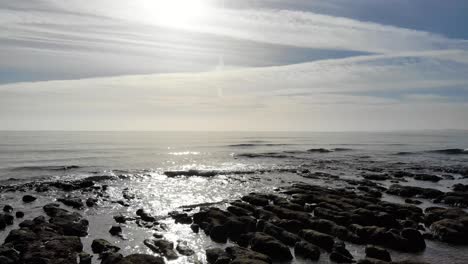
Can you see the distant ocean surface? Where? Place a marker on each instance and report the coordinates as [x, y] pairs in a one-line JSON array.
[[167, 171], [39, 154]]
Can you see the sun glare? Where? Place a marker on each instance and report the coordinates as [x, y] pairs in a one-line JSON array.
[[178, 13]]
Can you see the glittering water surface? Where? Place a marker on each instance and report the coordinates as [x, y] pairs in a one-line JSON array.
[[241, 163]]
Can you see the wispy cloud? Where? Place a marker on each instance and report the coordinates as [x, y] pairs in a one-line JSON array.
[[258, 68]]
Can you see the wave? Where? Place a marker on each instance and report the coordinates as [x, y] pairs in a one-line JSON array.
[[451, 151], [257, 145], [46, 168], [324, 150], [207, 173], [277, 155]]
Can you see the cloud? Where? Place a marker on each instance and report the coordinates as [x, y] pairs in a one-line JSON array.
[[253, 99]]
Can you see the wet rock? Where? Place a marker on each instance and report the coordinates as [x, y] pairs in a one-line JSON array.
[[219, 233], [427, 177], [371, 261], [340, 247], [145, 216], [110, 257], [163, 247], [239, 211], [340, 258], [29, 198], [270, 246], [256, 199], [184, 249], [101, 245], [195, 228], [415, 239], [7, 209], [74, 202], [115, 230], [412, 201], [85, 258], [376, 177], [91, 202], [181, 218], [378, 253], [44, 242], [19, 214], [411, 191], [69, 223], [451, 230], [5, 220], [212, 254], [141, 259], [317, 238], [120, 219], [9, 255], [459, 187], [306, 250], [284, 236], [240, 255]]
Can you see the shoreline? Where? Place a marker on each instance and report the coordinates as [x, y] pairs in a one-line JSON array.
[[269, 213]]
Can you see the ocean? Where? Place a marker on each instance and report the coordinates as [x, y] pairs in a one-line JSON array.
[[166, 171]]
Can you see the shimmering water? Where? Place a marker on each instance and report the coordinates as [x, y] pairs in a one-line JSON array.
[[242, 162]]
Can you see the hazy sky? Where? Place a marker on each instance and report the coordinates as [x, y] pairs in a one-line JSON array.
[[233, 65]]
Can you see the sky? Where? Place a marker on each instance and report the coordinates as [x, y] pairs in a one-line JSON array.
[[255, 65]]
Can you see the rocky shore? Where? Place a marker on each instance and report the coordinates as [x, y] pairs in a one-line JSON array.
[[298, 221]]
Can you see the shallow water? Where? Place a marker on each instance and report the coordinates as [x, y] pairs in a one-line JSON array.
[[141, 158]]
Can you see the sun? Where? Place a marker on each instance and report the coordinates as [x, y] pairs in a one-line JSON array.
[[178, 13]]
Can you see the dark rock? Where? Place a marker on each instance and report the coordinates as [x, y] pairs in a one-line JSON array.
[[459, 187], [110, 257], [184, 249], [29, 198], [411, 191], [141, 259], [240, 255], [270, 246], [340, 247], [91, 202], [427, 177], [120, 219], [378, 253], [212, 254], [195, 228], [239, 211], [70, 224], [317, 238], [219, 233], [100, 245], [415, 239], [284, 236], [412, 201], [340, 258], [371, 261], [376, 177], [451, 230], [181, 218], [256, 199], [115, 230], [145, 216], [85, 258], [6, 219], [9, 255], [7, 209], [19, 214], [163, 247], [306, 250], [74, 202]]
